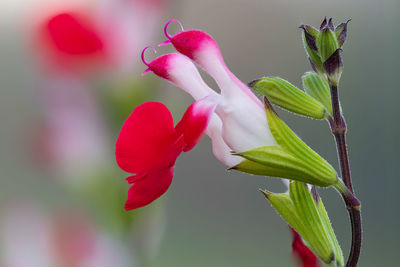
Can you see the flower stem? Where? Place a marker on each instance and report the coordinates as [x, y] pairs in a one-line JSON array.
[[338, 127]]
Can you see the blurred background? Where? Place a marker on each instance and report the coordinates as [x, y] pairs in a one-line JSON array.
[[70, 75]]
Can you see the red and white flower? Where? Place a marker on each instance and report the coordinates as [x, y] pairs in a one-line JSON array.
[[236, 120]]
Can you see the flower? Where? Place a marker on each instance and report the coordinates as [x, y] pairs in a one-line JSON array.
[[238, 108], [149, 144], [242, 122], [237, 122]]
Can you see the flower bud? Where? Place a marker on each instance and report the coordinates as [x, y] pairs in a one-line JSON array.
[[323, 48], [304, 211], [318, 88], [284, 94]]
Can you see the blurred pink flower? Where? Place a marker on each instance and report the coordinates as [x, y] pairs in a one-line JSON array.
[[31, 237], [73, 137]]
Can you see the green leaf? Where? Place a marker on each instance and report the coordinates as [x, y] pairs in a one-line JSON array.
[[318, 88], [282, 93]]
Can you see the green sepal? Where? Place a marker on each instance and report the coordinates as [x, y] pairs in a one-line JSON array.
[[308, 217], [255, 168], [284, 94], [311, 48], [328, 226], [327, 43], [318, 88], [282, 164], [321, 172], [341, 32], [284, 205], [317, 235]]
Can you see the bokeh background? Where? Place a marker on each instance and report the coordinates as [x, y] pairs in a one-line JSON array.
[[61, 194]]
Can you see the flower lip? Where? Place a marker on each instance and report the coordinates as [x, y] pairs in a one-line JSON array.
[[187, 42], [146, 140], [192, 41], [149, 144], [161, 65], [146, 190]]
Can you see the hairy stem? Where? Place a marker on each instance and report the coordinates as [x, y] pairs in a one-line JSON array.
[[338, 127]]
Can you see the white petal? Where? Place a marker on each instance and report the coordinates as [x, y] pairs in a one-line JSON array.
[[220, 149]]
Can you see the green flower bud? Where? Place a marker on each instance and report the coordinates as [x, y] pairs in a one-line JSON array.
[[291, 159], [305, 212], [289, 97], [327, 42], [318, 88], [324, 49]]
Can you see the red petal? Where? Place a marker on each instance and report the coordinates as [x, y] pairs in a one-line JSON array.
[[195, 121], [147, 139], [146, 190], [305, 256], [134, 178]]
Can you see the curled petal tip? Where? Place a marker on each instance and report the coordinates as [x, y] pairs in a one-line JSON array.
[[165, 43], [166, 27], [146, 71], [142, 56]]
